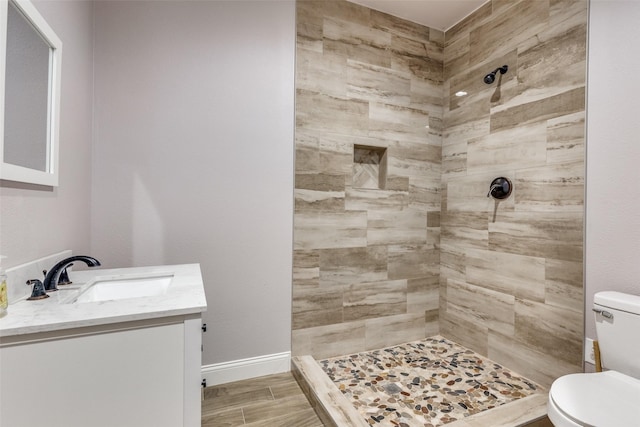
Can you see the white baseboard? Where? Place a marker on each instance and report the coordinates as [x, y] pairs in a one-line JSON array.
[[236, 370]]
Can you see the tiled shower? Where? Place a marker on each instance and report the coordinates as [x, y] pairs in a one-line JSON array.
[[394, 236]]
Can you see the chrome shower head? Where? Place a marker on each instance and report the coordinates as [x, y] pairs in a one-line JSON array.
[[491, 77]]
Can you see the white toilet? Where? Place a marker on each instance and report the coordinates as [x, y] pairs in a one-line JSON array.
[[610, 398]]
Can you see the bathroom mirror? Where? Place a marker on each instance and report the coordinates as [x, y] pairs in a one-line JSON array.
[[30, 65]]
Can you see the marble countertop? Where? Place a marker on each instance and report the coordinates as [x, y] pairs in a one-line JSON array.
[[185, 295]]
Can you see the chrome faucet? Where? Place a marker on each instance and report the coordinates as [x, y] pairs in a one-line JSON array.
[[52, 278]]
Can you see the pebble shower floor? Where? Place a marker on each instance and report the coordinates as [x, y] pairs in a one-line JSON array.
[[427, 383]]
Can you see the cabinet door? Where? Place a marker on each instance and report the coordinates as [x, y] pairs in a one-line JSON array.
[[121, 378]]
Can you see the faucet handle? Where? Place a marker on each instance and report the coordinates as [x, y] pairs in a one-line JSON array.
[[38, 291]]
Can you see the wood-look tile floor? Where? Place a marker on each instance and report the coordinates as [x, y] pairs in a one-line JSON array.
[[271, 401]]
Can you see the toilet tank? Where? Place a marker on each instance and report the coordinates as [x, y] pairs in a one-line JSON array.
[[618, 328]]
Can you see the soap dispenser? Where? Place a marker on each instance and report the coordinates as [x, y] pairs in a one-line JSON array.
[[4, 299]]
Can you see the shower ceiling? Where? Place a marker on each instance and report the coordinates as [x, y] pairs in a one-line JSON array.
[[437, 14]]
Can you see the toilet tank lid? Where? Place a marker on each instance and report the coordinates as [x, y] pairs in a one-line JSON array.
[[618, 300]]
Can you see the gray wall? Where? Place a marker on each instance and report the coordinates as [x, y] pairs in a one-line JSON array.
[[613, 153], [193, 156], [37, 221]]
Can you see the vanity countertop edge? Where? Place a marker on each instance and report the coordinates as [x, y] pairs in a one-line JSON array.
[[184, 296]]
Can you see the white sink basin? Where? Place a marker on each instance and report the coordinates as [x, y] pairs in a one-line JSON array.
[[117, 288]]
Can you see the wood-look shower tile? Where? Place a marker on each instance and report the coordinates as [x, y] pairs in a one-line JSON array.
[[426, 67], [565, 14], [377, 84], [463, 132], [319, 191], [363, 199], [391, 330], [306, 268], [453, 260], [331, 114], [555, 331], [511, 274], [390, 122], [478, 110], [319, 230], [423, 294], [370, 300], [336, 152], [555, 188], [558, 64], [462, 28], [403, 27], [528, 360], [522, 147], [470, 334], [312, 200], [565, 138], [454, 160], [346, 266], [507, 29], [412, 261], [357, 42], [470, 229], [393, 227], [316, 306], [486, 307], [307, 152], [555, 235], [322, 73], [568, 102], [426, 95], [397, 183], [564, 284], [329, 341], [457, 58]]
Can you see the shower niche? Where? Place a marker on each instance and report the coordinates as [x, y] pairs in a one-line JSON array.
[[369, 167]]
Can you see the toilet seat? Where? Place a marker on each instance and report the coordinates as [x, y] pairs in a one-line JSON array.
[[604, 399]]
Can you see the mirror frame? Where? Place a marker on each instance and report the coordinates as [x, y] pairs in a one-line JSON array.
[[8, 171]]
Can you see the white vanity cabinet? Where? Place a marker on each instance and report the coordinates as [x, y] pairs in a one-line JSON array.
[[143, 373], [132, 362]]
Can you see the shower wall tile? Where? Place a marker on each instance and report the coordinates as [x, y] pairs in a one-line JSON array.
[[350, 266], [377, 84], [331, 114], [565, 138], [564, 284], [556, 330], [321, 229], [511, 281], [527, 359], [507, 29], [510, 274], [365, 258], [379, 299], [412, 261], [306, 270], [328, 341], [392, 228], [401, 328], [547, 235], [565, 103], [515, 148], [553, 188], [482, 306], [423, 294], [313, 306]]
